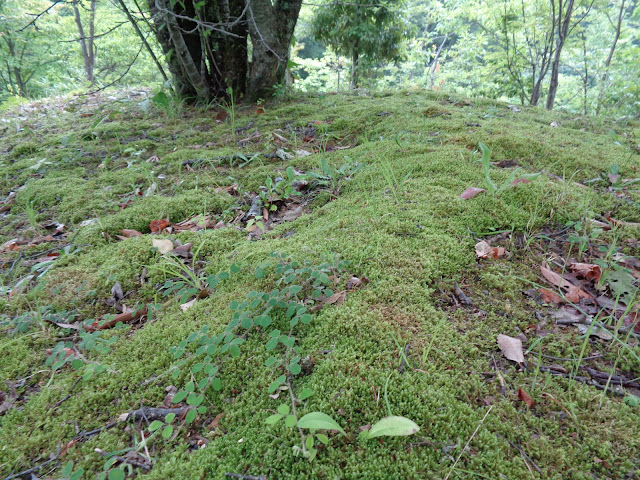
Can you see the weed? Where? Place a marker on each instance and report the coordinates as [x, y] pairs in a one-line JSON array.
[[230, 107], [491, 186], [333, 179]]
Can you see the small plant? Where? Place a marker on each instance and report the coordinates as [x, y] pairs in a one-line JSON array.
[[30, 210], [277, 190], [491, 186], [229, 106], [334, 179]]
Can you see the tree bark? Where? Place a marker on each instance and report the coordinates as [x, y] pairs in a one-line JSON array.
[[271, 29], [607, 63], [434, 63], [354, 68]]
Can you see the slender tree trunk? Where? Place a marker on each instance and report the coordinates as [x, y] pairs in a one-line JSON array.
[[354, 68], [183, 53], [434, 64], [585, 78], [607, 63], [563, 30], [86, 44], [143, 39]]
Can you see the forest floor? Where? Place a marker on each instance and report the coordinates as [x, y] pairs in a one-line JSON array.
[[181, 287]]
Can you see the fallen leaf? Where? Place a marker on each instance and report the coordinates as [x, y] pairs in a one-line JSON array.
[[526, 398], [484, 250], [613, 178], [596, 331], [586, 270], [572, 293], [124, 317], [214, 424], [338, 298], [520, 180], [163, 245], [128, 233], [550, 297], [511, 348], [259, 110], [553, 124], [159, 225], [471, 192], [355, 282], [292, 214], [170, 393], [186, 306], [221, 116]]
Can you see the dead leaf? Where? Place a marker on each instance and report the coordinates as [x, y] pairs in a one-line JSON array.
[[471, 192], [186, 306], [159, 225], [596, 331], [550, 297], [511, 348], [163, 245], [553, 124], [484, 250], [128, 233], [613, 178], [586, 270], [292, 214], [279, 139], [572, 293], [526, 398], [338, 298], [259, 110], [520, 180], [116, 292], [125, 317], [170, 393], [221, 116], [214, 424], [355, 282]]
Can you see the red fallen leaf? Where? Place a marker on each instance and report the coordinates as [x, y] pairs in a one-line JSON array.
[[85, 115], [587, 270], [550, 297], [471, 192], [127, 233], [520, 180], [526, 398], [66, 448], [259, 110], [221, 116], [159, 225], [355, 282], [214, 424], [124, 317]]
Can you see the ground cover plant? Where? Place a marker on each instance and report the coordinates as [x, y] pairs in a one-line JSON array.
[[406, 285]]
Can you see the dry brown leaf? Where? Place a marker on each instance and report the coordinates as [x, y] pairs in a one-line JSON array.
[[471, 192], [292, 214], [550, 297], [127, 233], [159, 225], [338, 298], [186, 306], [520, 180], [526, 398], [163, 245], [484, 250], [573, 294], [124, 317], [586, 270], [511, 348]]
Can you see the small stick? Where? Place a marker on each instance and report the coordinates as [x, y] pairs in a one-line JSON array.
[[468, 442], [31, 470], [96, 431], [524, 455], [150, 413], [461, 295], [68, 395]]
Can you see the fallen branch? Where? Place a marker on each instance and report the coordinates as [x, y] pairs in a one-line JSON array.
[[68, 395], [96, 431], [32, 469]]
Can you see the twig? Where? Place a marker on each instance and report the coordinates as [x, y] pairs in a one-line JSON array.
[[123, 459], [31, 470], [68, 395], [150, 413], [293, 409], [468, 442], [524, 455], [96, 431]]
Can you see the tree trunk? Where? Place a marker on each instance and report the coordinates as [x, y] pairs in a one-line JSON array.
[[86, 44], [354, 68], [563, 30], [607, 63], [271, 28], [434, 64]]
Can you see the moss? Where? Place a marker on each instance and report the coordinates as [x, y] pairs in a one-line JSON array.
[[399, 221]]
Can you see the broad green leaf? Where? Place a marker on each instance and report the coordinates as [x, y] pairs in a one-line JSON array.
[[116, 474], [167, 432], [309, 442], [68, 468], [180, 396], [191, 416], [273, 419], [155, 425], [305, 393], [323, 438], [276, 383], [169, 418], [283, 409], [319, 421], [393, 426], [290, 421]]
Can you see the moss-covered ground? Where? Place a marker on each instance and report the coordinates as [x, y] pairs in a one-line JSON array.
[[404, 341]]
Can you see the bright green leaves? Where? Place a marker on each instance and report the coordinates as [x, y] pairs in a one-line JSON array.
[[319, 421], [273, 386], [392, 426]]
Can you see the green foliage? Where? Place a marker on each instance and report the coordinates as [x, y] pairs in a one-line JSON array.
[[333, 179], [392, 426], [365, 32], [510, 182]]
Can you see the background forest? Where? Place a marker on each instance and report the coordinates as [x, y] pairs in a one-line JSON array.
[[503, 49]]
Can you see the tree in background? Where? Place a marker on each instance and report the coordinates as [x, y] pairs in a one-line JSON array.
[[362, 30], [206, 44]]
